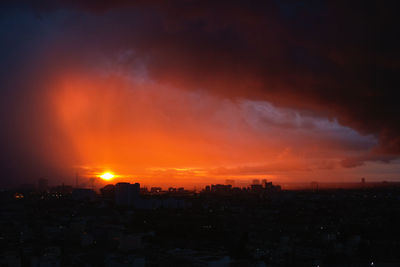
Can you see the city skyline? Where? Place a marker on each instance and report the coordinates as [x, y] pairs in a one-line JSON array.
[[199, 133], [220, 225]]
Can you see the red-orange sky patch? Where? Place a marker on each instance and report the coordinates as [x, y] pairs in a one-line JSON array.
[[161, 135]]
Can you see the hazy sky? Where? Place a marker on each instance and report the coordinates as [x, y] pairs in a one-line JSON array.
[[196, 92]]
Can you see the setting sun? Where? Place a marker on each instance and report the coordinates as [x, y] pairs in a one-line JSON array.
[[107, 176]]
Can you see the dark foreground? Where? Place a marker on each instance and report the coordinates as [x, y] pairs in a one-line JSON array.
[[289, 228]]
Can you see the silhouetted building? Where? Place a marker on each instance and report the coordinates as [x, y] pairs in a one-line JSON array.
[[155, 190], [126, 194], [257, 188], [172, 190], [83, 194], [108, 191], [221, 188], [264, 182], [268, 185], [256, 181], [62, 189], [144, 190], [43, 185], [181, 189]]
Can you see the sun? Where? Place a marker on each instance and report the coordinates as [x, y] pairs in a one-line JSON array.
[[107, 176]]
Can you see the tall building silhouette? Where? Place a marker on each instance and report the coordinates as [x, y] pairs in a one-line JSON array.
[[126, 194], [264, 182]]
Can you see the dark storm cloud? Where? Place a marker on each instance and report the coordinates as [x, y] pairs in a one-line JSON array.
[[334, 57]]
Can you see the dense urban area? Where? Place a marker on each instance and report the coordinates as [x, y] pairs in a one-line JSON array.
[[222, 225]]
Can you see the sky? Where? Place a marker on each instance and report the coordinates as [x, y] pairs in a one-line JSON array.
[[188, 93]]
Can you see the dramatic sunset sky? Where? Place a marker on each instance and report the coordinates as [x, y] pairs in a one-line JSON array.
[[194, 92]]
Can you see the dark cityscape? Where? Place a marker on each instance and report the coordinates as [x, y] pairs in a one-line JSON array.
[[221, 225], [205, 133]]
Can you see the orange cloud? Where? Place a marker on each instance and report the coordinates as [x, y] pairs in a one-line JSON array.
[[161, 135]]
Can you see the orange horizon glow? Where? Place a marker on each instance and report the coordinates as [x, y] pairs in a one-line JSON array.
[[158, 135]]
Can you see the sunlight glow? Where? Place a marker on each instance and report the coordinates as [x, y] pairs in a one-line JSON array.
[[107, 176]]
